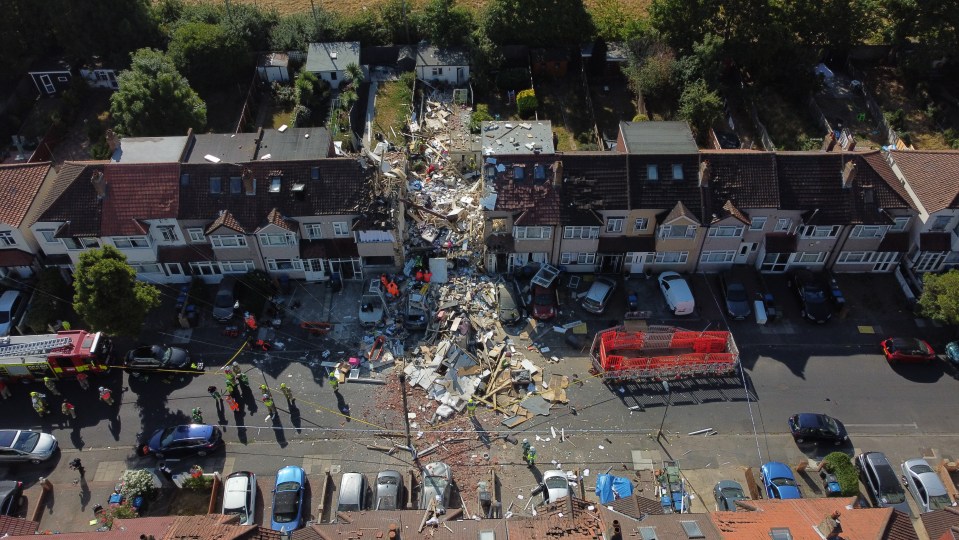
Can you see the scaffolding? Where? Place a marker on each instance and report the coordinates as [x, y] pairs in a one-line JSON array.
[[663, 353]]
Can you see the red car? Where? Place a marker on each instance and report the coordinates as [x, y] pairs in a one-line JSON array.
[[544, 302], [907, 350]]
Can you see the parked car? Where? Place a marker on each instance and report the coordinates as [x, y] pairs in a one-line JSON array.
[[11, 493], [556, 485], [389, 491], [352, 493], [817, 427], [288, 499], [507, 307], [160, 358], [598, 295], [12, 306], [925, 486], [881, 481], [199, 439], [372, 304], [437, 483], [239, 496], [544, 302], [812, 296], [25, 445], [679, 297], [952, 354], [225, 304], [726, 493], [418, 312], [779, 482], [736, 298], [911, 350]]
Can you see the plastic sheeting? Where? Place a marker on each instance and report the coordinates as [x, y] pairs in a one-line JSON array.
[[610, 488]]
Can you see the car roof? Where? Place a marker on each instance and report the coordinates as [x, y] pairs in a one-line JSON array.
[[778, 469], [811, 419], [553, 473], [193, 431], [6, 299], [290, 473], [7, 436]]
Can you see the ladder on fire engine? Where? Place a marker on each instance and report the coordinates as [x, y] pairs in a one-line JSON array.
[[23, 349]]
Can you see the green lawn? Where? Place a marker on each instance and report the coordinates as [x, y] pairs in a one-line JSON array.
[[393, 101]]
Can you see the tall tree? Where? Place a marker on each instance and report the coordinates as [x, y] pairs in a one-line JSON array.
[[445, 24], [110, 29], [700, 106], [154, 99], [208, 56], [107, 294], [537, 23], [940, 297]]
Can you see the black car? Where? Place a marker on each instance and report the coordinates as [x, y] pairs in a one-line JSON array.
[[160, 358], [10, 494], [737, 300], [813, 295], [199, 439], [881, 481], [817, 427]]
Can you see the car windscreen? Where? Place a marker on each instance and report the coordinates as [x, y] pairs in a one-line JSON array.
[[555, 482], [736, 293], [286, 503], [732, 492], [27, 441], [783, 482], [544, 299], [813, 294], [168, 436], [4, 317], [236, 511], [921, 468], [830, 424], [223, 299], [939, 501]]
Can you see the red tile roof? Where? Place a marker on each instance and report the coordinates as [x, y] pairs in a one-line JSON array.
[[138, 191], [900, 527], [19, 185], [931, 175], [276, 218], [225, 219], [938, 522], [801, 517], [15, 526]]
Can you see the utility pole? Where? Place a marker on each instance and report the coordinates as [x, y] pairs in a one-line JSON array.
[[669, 395], [406, 416]]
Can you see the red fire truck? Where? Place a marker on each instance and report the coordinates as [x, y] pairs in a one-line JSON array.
[[61, 355]]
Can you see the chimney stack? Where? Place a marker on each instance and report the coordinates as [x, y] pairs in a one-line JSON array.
[[830, 527], [557, 173], [99, 185], [249, 183], [705, 173], [113, 142], [848, 173]]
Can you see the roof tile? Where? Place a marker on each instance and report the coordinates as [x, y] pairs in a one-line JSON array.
[[939, 521], [20, 184], [74, 200], [136, 192], [933, 176], [801, 517]]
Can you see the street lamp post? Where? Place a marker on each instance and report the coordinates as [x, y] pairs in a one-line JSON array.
[[669, 395]]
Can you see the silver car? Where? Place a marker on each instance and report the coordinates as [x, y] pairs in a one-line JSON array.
[[389, 489], [437, 481], [925, 485], [556, 486], [24, 445], [881, 481], [239, 496]]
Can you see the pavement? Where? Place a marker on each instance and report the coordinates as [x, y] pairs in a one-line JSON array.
[[789, 366]]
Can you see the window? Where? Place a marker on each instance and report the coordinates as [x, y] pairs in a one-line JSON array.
[[783, 224], [277, 239], [236, 185], [174, 269], [941, 223], [867, 231], [677, 231], [314, 173], [236, 267], [640, 224], [48, 235], [810, 257], [717, 256], [216, 185], [532, 233], [726, 231], [810, 231], [852, 257], [757, 223], [332, 75], [131, 242], [668, 257], [580, 232], [275, 184], [677, 171], [196, 235], [437, 71], [614, 224], [314, 231], [205, 268], [90, 243], [168, 233], [62, 79], [340, 229], [578, 258], [185, 180], [284, 264], [228, 240], [81, 243], [146, 268], [7, 239], [652, 172], [900, 224]]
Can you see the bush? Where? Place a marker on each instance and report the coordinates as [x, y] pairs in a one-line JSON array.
[[138, 483], [526, 102], [480, 115], [839, 464], [200, 483], [640, 117], [284, 95], [896, 119]]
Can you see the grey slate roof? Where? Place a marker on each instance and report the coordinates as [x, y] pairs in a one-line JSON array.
[[658, 138], [150, 149], [295, 144], [433, 56], [228, 147], [502, 138], [332, 56]]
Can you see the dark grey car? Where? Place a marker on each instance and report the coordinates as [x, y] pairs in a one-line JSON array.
[[736, 298], [881, 481], [727, 492], [225, 304], [389, 490]]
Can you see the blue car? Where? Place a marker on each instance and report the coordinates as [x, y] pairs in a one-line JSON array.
[[288, 499], [779, 481], [199, 439]]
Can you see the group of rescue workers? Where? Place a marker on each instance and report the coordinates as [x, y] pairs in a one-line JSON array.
[[42, 406]]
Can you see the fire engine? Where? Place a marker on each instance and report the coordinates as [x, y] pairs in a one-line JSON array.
[[62, 355]]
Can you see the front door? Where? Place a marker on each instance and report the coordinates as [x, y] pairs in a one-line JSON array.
[[743, 252], [459, 76], [885, 261], [47, 84], [314, 270], [610, 264]]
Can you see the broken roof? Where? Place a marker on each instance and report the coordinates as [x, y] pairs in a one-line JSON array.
[[334, 56], [517, 138], [150, 149], [20, 185], [228, 147], [592, 181], [658, 138], [738, 181], [931, 175], [294, 144], [138, 192], [428, 55], [74, 201]]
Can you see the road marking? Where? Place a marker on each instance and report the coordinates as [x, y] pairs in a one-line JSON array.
[[867, 330], [912, 425]]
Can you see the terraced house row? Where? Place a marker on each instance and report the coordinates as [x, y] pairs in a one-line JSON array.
[[285, 202]]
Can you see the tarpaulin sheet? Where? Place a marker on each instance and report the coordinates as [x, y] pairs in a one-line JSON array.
[[610, 488]]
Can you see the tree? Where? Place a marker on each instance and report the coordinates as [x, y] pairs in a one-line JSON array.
[[207, 55], [312, 99], [107, 294], [940, 297], [614, 22], [50, 301], [526, 102], [651, 72], [537, 23], [154, 99], [700, 106], [445, 24], [109, 29]]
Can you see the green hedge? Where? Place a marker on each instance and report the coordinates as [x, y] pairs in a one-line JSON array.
[[838, 463]]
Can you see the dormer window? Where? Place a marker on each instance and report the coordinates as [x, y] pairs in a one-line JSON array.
[[236, 185], [314, 173], [652, 172], [216, 185], [677, 172], [275, 184]]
